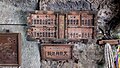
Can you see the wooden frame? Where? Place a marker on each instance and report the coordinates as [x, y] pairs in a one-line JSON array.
[[58, 51], [12, 55]]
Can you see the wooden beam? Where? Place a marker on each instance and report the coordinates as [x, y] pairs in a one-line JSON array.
[[111, 42]]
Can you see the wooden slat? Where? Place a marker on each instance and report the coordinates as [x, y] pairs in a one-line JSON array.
[[112, 42]]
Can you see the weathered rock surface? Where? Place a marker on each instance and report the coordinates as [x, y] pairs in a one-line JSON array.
[[15, 12]]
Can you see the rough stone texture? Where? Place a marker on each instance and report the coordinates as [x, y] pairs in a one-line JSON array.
[[69, 5], [15, 12], [9, 14], [25, 5]]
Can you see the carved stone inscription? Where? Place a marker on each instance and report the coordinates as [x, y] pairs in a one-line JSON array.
[[8, 49], [56, 52]]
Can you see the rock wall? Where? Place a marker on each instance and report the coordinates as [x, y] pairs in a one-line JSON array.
[[16, 11]]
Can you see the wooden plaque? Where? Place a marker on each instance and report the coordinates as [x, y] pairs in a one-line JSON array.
[[73, 19], [56, 51], [111, 42], [79, 26], [51, 26], [10, 49], [80, 33], [42, 25]]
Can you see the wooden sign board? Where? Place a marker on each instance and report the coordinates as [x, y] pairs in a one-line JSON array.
[[42, 25], [112, 42], [56, 51], [49, 26], [41, 32], [79, 26], [10, 49]]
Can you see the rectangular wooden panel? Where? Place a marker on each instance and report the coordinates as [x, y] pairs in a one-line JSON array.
[[112, 42], [10, 49], [41, 32], [86, 19], [42, 25], [50, 26], [61, 26], [42, 19], [56, 51], [80, 33], [73, 19]]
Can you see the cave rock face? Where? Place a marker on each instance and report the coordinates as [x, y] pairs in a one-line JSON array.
[[66, 5], [104, 15], [84, 55]]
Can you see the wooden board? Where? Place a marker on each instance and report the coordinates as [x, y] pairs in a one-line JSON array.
[[56, 51], [112, 42], [10, 49], [79, 26], [42, 25], [52, 26], [61, 27]]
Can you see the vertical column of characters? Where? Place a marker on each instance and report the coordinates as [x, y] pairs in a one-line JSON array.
[[61, 26], [66, 25]]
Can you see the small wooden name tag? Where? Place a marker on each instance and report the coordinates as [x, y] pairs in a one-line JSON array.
[[112, 42], [56, 51]]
